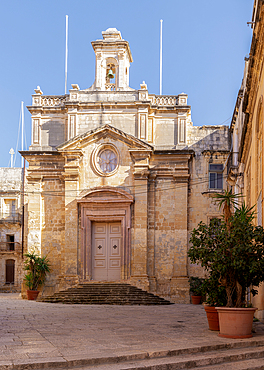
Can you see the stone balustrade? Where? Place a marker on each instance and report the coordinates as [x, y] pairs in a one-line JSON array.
[[48, 100], [163, 100], [52, 101], [156, 100]]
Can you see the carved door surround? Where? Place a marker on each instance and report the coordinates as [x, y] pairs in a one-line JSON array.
[[104, 204]]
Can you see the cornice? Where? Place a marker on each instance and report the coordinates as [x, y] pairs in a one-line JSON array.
[[35, 109], [42, 154], [255, 71], [180, 174], [255, 65]]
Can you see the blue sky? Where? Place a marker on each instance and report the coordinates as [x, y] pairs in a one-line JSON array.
[[204, 45]]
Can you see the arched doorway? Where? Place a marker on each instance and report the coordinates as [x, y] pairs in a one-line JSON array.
[[105, 234], [10, 271]]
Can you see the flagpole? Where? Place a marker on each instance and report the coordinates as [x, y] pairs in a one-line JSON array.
[[22, 130], [66, 55], [161, 56]]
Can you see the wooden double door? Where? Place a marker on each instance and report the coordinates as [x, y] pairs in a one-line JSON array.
[[106, 251]]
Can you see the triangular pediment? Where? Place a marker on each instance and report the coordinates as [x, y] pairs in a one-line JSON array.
[[80, 141]]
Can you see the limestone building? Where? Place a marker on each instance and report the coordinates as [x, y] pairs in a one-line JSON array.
[[11, 268], [245, 169], [117, 178]]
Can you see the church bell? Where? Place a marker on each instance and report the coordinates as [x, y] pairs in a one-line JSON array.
[[110, 74]]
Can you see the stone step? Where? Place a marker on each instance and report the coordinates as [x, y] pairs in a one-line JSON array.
[[102, 291], [103, 301], [136, 303], [249, 358], [105, 293], [252, 364], [106, 297]]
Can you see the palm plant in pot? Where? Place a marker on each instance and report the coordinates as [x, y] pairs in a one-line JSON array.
[[233, 249], [37, 268], [196, 289]]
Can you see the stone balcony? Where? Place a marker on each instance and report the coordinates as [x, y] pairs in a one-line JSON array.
[[14, 218]]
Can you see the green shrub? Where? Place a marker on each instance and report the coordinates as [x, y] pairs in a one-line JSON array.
[[196, 285], [37, 268], [232, 252]]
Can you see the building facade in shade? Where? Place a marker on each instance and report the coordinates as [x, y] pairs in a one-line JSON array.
[[11, 267], [117, 178], [245, 170]]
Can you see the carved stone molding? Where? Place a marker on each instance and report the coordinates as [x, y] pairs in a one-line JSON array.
[[142, 174], [140, 155], [104, 204], [105, 160]]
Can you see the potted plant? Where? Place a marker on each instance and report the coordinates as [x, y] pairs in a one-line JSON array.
[[196, 289], [37, 268], [215, 297], [233, 248]]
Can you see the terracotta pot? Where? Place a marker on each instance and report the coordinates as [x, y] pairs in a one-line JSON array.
[[196, 299], [212, 317], [32, 295], [235, 322]]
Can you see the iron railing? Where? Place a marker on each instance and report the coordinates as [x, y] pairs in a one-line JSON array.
[[10, 247]]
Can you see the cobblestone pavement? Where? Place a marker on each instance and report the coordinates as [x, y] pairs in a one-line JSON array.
[[33, 332]]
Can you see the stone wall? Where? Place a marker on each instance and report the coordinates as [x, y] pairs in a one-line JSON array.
[[211, 145], [10, 179], [10, 225]]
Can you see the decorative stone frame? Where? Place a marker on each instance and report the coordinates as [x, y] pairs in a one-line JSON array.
[[94, 157], [104, 204]]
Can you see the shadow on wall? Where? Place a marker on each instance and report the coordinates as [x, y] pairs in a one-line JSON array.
[[53, 133], [217, 140]]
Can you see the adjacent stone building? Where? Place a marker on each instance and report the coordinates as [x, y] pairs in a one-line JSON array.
[[11, 268], [117, 179], [245, 166]]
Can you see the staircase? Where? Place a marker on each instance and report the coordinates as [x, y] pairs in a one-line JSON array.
[[247, 355], [106, 293], [10, 289]]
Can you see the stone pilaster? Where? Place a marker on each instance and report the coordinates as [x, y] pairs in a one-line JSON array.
[[34, 211], [139, 275], [70, 255], [168, 201], [151, 233]]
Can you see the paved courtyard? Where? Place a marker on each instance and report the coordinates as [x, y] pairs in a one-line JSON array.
[[35, 332]]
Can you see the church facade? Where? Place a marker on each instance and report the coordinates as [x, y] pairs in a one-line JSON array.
[[118, 178]]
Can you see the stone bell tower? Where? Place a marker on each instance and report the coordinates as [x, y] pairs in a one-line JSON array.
[[113, 58]]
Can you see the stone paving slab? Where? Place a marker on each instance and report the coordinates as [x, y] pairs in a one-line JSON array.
[[54, 334]]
